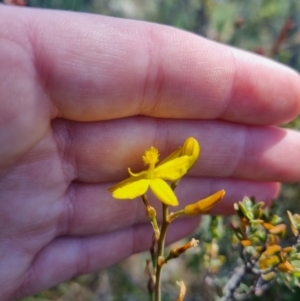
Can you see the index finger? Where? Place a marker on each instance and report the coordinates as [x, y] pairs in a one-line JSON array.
[[97, 68]]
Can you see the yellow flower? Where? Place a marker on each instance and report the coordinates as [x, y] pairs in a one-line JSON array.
[[170, 169], [190, 148]]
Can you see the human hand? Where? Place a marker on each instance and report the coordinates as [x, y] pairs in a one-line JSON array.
[[82, 96]]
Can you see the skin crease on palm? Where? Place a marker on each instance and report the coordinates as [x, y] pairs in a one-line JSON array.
[[82, 96]]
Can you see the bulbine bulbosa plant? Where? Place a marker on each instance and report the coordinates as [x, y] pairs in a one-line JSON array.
[[257, 232], [162, 178]]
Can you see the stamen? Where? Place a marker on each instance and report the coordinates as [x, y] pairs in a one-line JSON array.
[[151, 156]]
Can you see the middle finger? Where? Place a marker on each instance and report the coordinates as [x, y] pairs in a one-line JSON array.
[[103, 151]]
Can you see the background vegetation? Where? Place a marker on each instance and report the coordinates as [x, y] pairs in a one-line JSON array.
[[266, 27]]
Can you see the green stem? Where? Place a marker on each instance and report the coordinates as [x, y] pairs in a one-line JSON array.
[[160, 252], [152, 297], [153, 255], [176, 214]]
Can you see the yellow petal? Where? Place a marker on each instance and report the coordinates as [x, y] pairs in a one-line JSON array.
[[174, 155], [131, 189], [172, 170], [191, 148], [134, 177], [163, 192]]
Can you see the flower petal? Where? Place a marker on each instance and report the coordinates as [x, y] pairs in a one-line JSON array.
[[163, 192], [131, 189], [191, 148], [173, 170], [132, 178], [174, 155]]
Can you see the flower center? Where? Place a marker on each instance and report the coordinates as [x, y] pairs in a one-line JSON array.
[[151, 157]]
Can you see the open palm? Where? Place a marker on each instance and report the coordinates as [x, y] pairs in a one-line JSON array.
[[81, 98]]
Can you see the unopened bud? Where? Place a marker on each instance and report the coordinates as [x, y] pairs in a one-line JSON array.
[[151, 212], [204, 205]]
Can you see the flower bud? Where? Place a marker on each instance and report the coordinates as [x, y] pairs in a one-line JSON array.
[[204, 205], [151, 212]]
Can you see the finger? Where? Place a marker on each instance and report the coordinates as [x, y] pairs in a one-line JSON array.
[[67, 257], [98, 152], [90, 209], [97, 68]]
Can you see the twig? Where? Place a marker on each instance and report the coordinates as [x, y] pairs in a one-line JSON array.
[[233, 283]]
